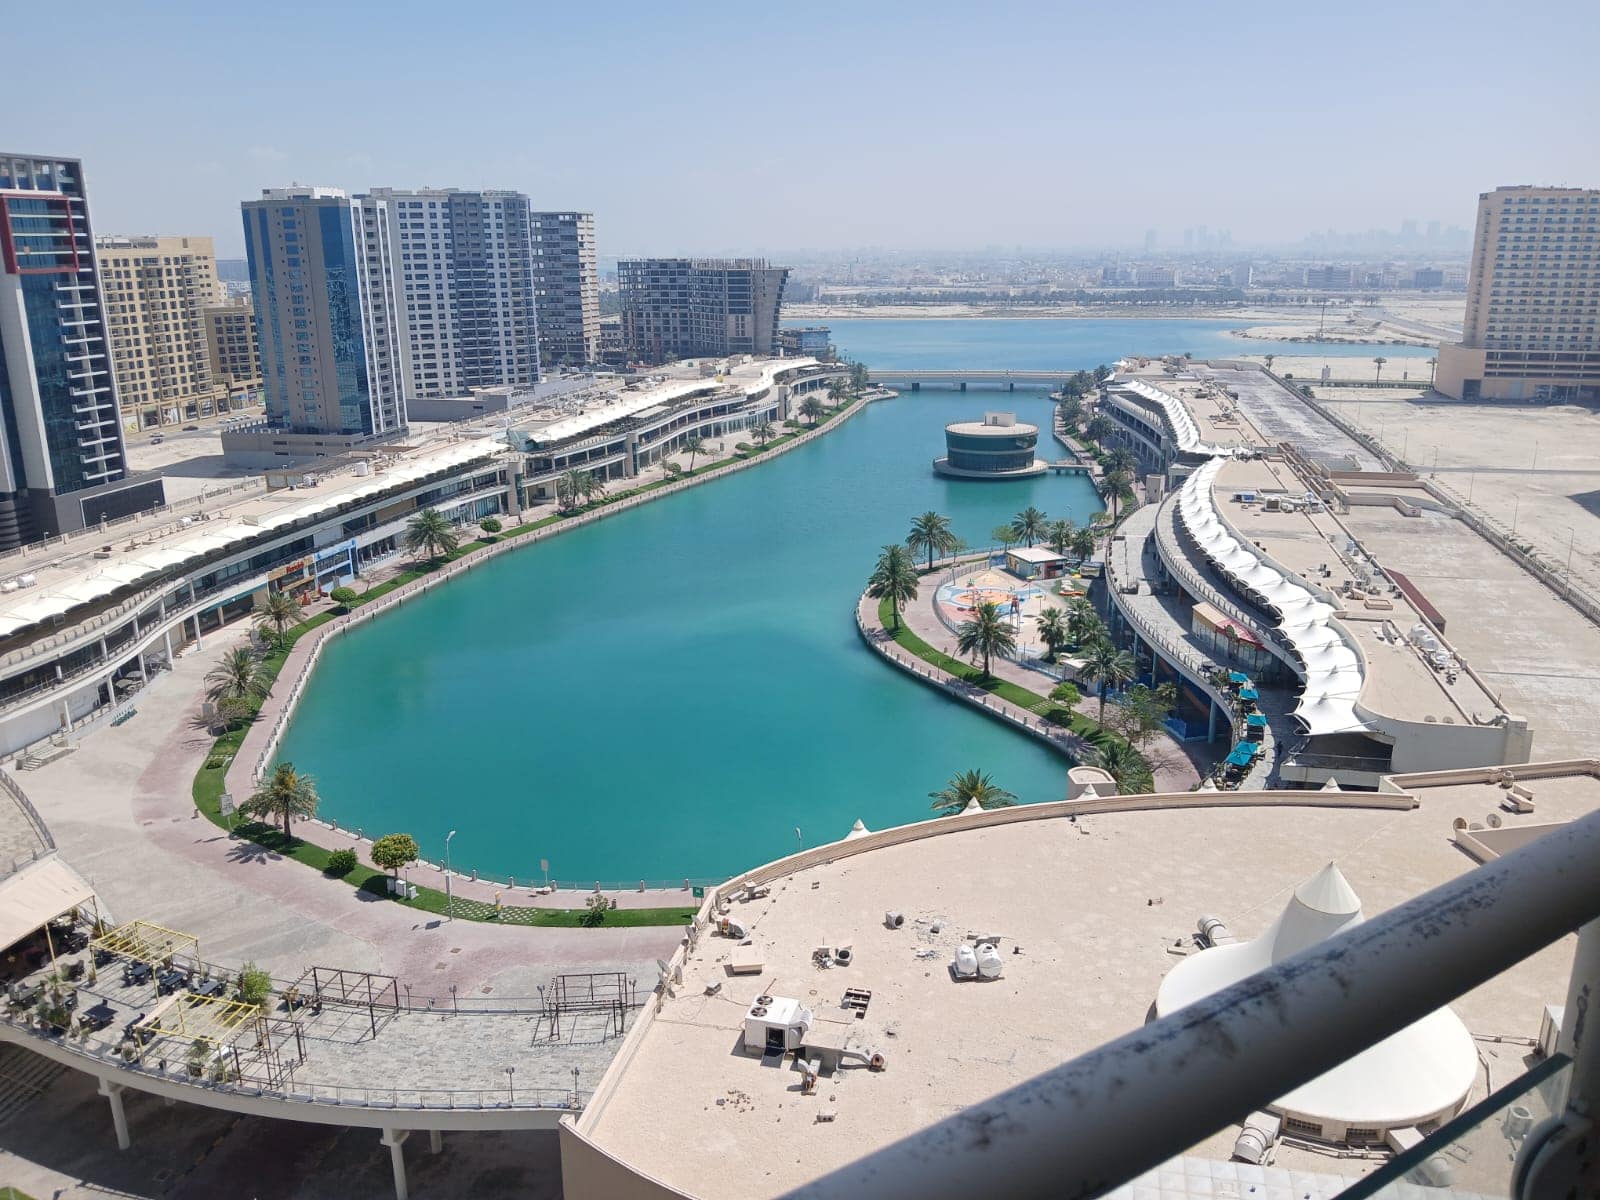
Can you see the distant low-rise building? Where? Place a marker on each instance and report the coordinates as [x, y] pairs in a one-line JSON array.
[[1427, 277], [1328, 276], [813, 341], [1155, 277]]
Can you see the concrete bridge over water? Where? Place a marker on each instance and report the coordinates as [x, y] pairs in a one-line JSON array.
[[960, 380]]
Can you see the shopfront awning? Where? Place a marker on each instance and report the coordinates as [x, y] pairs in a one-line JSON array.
[[36, 895]]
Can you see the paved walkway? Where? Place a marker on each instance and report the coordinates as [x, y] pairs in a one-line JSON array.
[[120, 810]]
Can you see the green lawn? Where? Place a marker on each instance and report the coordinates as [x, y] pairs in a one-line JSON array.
[[1089, 730]]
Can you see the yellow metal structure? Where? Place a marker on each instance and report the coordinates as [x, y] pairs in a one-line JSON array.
[[147, 943]]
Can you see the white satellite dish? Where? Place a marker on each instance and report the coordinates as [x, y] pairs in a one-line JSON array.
[[1494, 820]]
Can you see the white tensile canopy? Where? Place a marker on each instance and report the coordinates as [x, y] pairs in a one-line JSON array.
[[1420, 1073]]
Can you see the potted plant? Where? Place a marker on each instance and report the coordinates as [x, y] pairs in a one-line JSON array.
[[199, 1051]]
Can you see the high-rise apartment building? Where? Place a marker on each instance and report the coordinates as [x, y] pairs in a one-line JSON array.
[[321, 371], [62, 460], [683, 307], [455, 269], [566, 288], [232, 349], [156, 290], [1532, 328]]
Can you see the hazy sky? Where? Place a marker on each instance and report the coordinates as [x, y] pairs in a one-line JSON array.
[[748, 126]]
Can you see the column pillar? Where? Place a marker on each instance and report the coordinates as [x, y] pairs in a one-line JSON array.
[[198, 643], [395, 1139], [435, 1141], [166, 636], [119, 1118], [1211, 722]]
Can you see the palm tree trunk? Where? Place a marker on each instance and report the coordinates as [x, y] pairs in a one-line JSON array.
[[1102, 717]]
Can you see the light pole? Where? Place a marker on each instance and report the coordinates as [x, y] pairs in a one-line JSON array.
[[449, 895], [1572, 536], [511, 1085]]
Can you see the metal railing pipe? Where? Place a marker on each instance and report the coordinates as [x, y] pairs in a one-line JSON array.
[[1090, 1125]]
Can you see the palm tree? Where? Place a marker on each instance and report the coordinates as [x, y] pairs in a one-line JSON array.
[[931, 533], [1083, 622], [284, 796], [694, 445], [894, 577], [279, 610], [967, 786], [1071, 409], [1269, 358], [837, 393], [1378, 362], [1106, 667], [1005, 536], [1116, 487], [570, 486], [238, 679], [812, 408], [1029, 524], [763, 431], [430, 533], [591, 485], [1125, 765], [1099, 428], [1053, 632], [988, 634], [1059, 536], [1433, 366], [1121, 459], [1084, 542]]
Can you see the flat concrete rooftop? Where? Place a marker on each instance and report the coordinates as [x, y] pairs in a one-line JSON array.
[[1399, 682], [1091, 915]]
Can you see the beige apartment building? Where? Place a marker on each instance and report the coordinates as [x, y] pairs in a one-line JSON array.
[[232, 351], [155, 291], [1532, 328]]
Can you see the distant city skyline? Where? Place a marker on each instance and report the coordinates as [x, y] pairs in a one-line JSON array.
[[739, 132]]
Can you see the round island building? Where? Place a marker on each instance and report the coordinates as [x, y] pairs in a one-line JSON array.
[[997, 447]]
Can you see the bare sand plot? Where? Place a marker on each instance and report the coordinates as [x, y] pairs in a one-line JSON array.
[[1533, 469], [1540, 655]]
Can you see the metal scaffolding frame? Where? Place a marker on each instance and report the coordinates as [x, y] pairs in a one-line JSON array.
[[232, 1039], [145, 942], [344, 988]]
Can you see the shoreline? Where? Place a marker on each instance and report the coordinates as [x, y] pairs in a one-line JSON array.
[[241, 776]]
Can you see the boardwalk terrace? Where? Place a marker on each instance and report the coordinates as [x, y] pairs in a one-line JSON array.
[[1091, 907]]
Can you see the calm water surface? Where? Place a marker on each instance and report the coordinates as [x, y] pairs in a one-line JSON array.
[[1049, 344], [674, 690]]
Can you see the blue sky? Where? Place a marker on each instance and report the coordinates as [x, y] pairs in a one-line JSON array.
[[749, 127]]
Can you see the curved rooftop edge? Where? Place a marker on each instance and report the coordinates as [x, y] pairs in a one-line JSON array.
[[983, 1039], [1181, 423], [1330, 664]]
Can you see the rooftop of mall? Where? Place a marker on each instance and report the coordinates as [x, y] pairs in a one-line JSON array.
[[1090, 906], [1274, 504], [43, 582]]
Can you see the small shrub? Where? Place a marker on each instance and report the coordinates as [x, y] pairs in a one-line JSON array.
[[344, 597], [1067, 694], [594, 912], [341, 863], [743, 447], [673, 469], [255, 985], [490, 525]]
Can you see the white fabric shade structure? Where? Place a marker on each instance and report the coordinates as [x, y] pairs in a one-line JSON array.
[[1333, 670], [858, 830], [38, 893], [1422, 1073], [1184, 430]]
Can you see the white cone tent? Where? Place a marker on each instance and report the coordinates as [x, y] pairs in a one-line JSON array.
[[973, 806], [857, 830], [1422, 1073]]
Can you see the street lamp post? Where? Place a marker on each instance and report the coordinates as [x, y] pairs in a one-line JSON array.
[[449, 894], [511, 1085], [1572, 537]]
